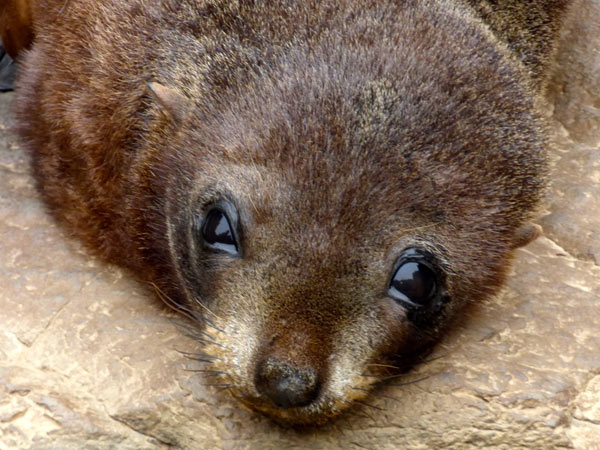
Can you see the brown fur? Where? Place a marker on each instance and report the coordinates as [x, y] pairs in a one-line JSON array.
[[529, 28], [16, 25], [344, 132]]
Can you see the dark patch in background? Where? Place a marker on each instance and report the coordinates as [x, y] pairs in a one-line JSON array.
[[7, 70]]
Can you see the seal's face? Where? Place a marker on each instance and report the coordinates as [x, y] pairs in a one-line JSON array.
[[311, 284], [326, 223], [337, 294]]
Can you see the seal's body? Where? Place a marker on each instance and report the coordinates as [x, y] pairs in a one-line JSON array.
[[324, 185]]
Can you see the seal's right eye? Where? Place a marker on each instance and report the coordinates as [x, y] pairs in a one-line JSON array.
[[218, 233]]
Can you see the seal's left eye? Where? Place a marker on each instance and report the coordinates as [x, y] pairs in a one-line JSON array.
[[415, 282], [218, 233]]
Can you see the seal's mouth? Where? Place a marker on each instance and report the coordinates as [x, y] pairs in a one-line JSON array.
[[290, 378], [295, 385], [296, 395], [323, 409]]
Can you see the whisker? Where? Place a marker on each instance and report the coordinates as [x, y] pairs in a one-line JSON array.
[[211, 324], [409, 382], [384, 365], [196, 330], [226, 385], [206, 372], [193, 356], [177, 307], [360, 389], [420, 359], [208, 361], [355, 412], [376, 393], [364, 415], [392, 377], [189, 313], [434, 358], [202, 370], [186, 353], [376, 376], [199, 339], [204, 341], [360, 402], [202, 305]]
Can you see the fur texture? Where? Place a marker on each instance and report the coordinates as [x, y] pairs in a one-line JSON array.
[[343, 132], [16, 25]]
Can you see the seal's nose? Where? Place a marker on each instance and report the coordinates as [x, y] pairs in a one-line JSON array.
[[286, 385]]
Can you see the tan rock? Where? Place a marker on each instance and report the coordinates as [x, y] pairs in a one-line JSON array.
[[89, 359]]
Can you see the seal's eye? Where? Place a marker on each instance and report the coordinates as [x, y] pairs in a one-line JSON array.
[[218, 233], [415, 282]]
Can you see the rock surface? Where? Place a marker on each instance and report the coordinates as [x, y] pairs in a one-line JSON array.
[[89, 359]]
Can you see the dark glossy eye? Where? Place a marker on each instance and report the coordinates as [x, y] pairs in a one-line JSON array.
[[218, 233], [415, 281]]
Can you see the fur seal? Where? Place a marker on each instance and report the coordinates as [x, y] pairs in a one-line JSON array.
[[323, 186]]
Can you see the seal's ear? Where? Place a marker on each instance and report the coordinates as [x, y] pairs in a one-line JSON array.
[[526, 234], [172, 102]]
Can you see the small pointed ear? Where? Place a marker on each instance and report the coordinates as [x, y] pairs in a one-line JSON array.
[[175, 104], [526, 234]]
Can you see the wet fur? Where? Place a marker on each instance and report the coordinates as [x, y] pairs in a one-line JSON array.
[[343, 131]]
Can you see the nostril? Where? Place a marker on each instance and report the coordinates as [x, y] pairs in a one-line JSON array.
[[286, 385]]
